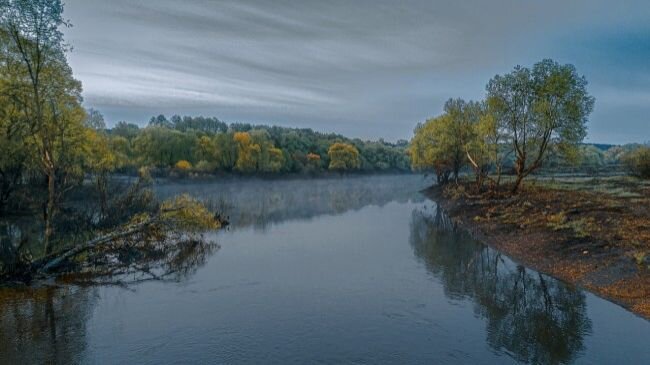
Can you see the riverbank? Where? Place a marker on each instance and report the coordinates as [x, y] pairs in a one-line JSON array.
[[594, 233]]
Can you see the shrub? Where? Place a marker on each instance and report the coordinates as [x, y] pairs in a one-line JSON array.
[[637, 162], [183, 165], [205, 166]]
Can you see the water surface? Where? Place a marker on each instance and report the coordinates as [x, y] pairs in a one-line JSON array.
[[356, 270]]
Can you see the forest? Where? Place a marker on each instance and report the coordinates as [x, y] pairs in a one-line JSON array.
[[206, 145]]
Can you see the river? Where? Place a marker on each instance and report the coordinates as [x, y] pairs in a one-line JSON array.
[[360, 270]]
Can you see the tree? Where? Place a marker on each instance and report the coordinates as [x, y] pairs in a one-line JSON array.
[[101, 161], [48, 94], [545, 106], [126, 130], [276, 159], [247, 152], [343, 156], [162, 147], [226, 151], [430, 148], [94, 120], [458, 132], [638, 162], [313, 162], [160, 121], [14, 155], [483, 145]]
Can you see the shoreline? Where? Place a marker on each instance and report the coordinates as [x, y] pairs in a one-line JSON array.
[[588, 262]]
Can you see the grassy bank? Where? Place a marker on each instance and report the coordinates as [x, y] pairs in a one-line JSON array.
[[592, 232]]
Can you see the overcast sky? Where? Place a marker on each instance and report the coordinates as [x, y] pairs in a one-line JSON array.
[[366, 69]]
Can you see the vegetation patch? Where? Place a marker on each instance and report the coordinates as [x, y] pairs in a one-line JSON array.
[[580, 235]]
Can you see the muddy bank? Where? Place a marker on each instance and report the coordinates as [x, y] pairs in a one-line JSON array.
[[595, 240]]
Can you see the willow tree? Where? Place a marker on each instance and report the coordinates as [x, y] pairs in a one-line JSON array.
[[540, 108], [343, 156], [432, 148], [248, 152], [48, 95]]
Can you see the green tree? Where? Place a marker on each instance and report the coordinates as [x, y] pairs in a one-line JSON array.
[[13, 152], [163, 147], [94, 120], [637, 162], [276, 159], [226, 151], [540, 107], [101, 160], [47, 92], [126, 130]]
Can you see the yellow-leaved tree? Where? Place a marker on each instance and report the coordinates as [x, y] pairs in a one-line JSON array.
[[343, 156], [247, 152]]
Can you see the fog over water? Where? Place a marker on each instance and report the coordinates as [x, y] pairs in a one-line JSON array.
[[342, 270]]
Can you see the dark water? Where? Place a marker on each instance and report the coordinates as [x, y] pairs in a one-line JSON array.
[[360, 270]]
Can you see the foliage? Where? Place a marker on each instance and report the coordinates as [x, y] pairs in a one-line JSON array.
[[313, 162], [580, 227], [248, 152], [244, 148], [343, 157], [188, 214], [94, 120], [536, 114], [638, 162], [545, 106], [431, 148], [45, 99], [183, 165]]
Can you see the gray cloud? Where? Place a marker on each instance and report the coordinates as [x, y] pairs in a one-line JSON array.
[[364, 68]]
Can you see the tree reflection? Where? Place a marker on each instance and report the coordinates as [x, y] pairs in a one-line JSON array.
[[259, 203], [44, 325], [530, 316], [47, 325]]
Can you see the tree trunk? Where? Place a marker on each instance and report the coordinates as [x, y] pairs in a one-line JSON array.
[[102, 189], [479, 180], [498, 177], [54, 262], [49, 212], [520, 178]]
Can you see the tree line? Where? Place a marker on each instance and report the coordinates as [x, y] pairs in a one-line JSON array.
[[181, 145]]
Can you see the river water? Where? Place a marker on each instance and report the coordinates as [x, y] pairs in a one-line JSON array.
[[358, 270]]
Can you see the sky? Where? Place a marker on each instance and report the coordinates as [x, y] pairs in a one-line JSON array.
[[368, 69]]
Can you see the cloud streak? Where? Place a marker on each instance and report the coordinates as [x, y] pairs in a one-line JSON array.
[[365, 68]]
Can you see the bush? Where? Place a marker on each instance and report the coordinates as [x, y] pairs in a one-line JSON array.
[[183, 165], [638, 162], [205, 166]]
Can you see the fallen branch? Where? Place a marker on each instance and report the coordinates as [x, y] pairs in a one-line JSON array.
[[61, 257]]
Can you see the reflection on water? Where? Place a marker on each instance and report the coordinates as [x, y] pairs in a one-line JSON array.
[[361, 270], [259, 203], [44, 325], [533, 317]]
